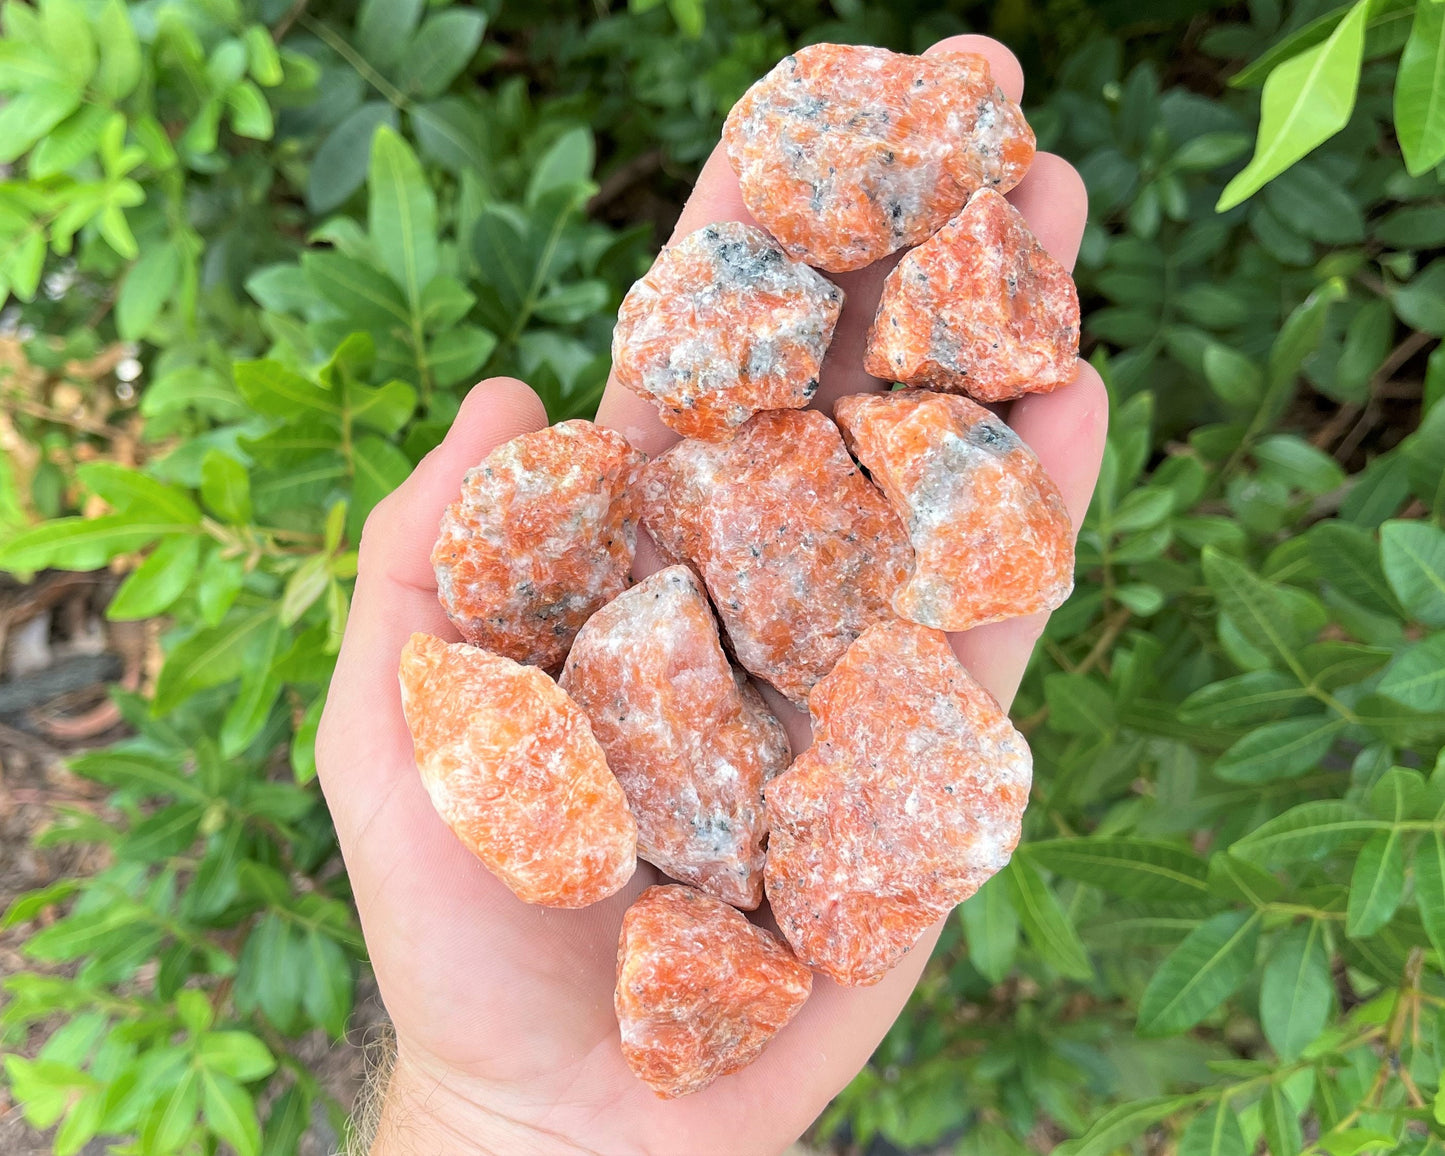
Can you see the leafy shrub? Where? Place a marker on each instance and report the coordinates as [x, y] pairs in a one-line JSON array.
[[318, 227]]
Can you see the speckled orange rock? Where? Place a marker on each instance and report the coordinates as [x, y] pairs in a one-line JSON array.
[[700, 990], [991, 536], [979, 308], [688, 737], [799, 552], [847, 153], [511, 765], [723, 326], [542, 535], [908, 800]]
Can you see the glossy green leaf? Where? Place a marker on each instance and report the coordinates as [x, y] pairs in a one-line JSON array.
[[1296, 990], [1306, 100], [1377, 884], [157, 582], [1413, 557], [1200, 974], [402, 215], [1044, 921], [1420, 90], [1280, 750]]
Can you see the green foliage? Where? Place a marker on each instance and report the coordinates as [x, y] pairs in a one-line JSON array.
[[1226, 922]]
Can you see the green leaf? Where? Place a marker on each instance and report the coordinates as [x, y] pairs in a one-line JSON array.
[[1420, 91], [342, 161], [250, 114], [437, 54], [386, 408], [453, 133], [1298, 338], [1352, 1141], [1424, 454], [403, 215], [239, 1055], [1420, 302], [1413, 557], [457, 354], [303, 588], [1200, 974], [1417, 677], [1234, 378], [287, 1123], [1377, 884], [173, 1115], [66, 29], [1078, 705], [380, 468], [992, 930], [1298, 464], [1120, 1124], [1430, 888], [385, 27], [73, 141], [365, 295], [1296, 991], [1280, 750], [1280, 1120], [146, 289], [1044, 922], [231, 1113], [158, 581], [129, 491], [1264, 610], [226, 487], [119, 70], [1306, 100], [28, 116], [328, 991], [260, 685], [207, 658], [27, 906], [272, 389], [567, 162], [1214, 1132], [1348, 558], [1306, 831], [1133, 868], [83, 543], [1243, 700]]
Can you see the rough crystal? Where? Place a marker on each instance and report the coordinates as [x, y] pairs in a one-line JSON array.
[[847, 153], [542, 535], [511, 765], [723, 326], [908, 800], [700, 990], [991, 536]]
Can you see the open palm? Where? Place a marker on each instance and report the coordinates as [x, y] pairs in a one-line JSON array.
[[503, 1012]]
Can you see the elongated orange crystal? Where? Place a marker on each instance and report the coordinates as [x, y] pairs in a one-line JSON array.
[[511, 765], [700, 990], [908, 800], [689, 738]]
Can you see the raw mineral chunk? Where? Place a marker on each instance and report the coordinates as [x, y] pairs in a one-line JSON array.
[[700, 990], [991, 536], [689, 738], [542, 535], [979, 308], [511, 765], [846, 153], [723, 326], [799, 552], [908, 800]]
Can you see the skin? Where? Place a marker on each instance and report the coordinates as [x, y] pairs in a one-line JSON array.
[[506, 1038]]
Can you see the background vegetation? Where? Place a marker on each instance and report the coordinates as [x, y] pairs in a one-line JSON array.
[[255, 251]]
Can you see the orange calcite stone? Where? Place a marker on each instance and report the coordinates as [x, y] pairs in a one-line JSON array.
[[847, 153], [689, 738], [543, 534], [798, 551], [991, 536], [511, 765], [979, 308], [700, 990], [908, 800], [724, 325]]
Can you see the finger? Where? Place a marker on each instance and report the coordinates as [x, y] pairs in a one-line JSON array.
[[396, 596], [1066, 429], [1054, 202]]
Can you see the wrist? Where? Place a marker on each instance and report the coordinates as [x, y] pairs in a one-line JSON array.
[[426, 1112]]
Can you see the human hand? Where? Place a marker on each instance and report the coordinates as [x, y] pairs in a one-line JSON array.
[[506, 1037]]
